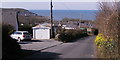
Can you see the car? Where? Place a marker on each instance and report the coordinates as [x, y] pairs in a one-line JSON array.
[[21, 35]]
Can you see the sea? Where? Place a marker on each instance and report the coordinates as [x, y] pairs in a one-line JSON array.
[[75, 14]]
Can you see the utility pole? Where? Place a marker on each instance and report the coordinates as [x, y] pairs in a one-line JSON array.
[[17, 17], [51, 20]]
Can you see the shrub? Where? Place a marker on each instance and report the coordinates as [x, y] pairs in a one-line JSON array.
[[105, 46], [10, 48], [7, 29], [101, 41], [108, 23], [70, 35], [26, 27], [96, 32]]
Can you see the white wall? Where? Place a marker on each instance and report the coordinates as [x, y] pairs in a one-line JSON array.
[[41, 33]]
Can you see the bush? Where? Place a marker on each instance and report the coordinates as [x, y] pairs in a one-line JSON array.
[[70, 35], [7, 29], [105, 46], [26, 27], [96, 32], [108, 23], [101, 41], [10, 48]]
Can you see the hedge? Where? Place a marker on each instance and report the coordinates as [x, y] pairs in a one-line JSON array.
[[10, 48], [70, 35]]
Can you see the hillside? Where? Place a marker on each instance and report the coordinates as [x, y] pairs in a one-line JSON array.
[[27, 17]]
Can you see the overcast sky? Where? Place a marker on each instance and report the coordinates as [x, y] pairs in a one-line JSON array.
[[58, 4], [49, 0], [57, 0], [46, 5]]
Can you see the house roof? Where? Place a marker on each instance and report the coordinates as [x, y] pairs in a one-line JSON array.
[[44, 25]]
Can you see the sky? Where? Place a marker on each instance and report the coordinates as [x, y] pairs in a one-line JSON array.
[[58, 4], [57, 0], [49, 0]]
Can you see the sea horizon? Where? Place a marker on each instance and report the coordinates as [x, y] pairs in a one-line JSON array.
[[76, 14]]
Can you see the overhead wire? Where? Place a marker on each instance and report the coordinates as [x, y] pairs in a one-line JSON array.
[[69, 9]]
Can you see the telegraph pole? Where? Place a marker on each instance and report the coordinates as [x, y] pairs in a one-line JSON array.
[[51, 20], [17, 16]]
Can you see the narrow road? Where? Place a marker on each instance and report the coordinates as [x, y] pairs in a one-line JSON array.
[[83, 48]]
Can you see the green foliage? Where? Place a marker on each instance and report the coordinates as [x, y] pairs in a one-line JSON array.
[[8, 29], [76, 20], [10, 48], [108, 22], [32, 19], [104, 46], [71, 35], [101, 41], [25, 27], [96, 32], [69, 19]]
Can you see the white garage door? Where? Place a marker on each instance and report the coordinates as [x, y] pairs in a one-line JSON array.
[[42, 33]]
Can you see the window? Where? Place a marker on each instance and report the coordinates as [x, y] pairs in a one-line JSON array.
[[26, 33], [17, 33]]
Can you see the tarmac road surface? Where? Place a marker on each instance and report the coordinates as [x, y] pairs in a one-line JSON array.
[[82, 48]]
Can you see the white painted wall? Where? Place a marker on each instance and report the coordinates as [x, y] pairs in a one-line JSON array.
[[41, 33]]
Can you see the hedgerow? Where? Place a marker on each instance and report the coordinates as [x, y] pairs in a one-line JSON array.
[[108, 24], [70, 35]]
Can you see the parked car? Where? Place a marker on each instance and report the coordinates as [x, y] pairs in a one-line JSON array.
[[21, 35]]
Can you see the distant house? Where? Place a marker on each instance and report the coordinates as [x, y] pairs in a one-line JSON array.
[[91, 30], [9, 17], [69, 26], [86, 25]]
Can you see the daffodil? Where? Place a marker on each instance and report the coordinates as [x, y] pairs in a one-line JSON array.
[[102, 41]]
